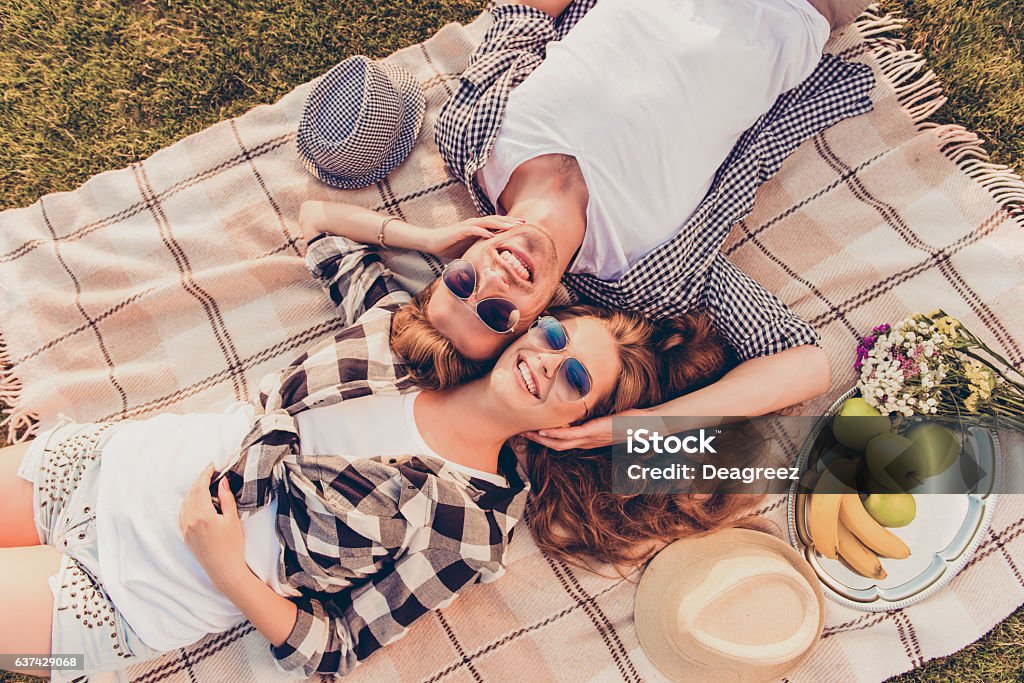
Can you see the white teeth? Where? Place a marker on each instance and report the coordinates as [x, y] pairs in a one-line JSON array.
[[524, 370], [516, 264]]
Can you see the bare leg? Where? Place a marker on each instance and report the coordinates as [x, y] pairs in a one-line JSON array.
[[18, 527], [27, 615]]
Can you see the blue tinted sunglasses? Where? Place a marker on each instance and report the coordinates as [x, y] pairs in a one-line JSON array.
[[573, 382]]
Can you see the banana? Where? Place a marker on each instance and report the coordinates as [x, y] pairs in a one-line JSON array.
[[861, 524], [803, 496], [823, 523], [823, 516], [859, 556]]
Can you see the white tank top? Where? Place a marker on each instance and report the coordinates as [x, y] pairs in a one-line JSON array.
[[650, 97]]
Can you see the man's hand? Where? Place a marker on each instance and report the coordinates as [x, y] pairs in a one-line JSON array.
[[451, 241], [217, 540], [593, 434]]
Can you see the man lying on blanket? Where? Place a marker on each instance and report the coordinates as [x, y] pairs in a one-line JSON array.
[[619, 142]]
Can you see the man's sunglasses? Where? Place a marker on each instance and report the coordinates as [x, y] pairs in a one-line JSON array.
[[573, 382], [501, 315]]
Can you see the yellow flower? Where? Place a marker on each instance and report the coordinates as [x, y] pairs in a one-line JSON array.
[[980, 377], [971, 404], [948, 326]]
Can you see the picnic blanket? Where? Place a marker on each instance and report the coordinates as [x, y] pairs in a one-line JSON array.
[[174, 284]]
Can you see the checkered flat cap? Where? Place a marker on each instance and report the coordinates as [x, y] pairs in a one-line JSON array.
[[360, 121]]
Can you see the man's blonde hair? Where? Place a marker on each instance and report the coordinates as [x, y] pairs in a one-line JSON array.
[[431, 358]]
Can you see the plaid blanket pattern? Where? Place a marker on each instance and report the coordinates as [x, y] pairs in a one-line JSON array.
[[176, 283]]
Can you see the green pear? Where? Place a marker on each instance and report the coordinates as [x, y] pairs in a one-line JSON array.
[[858, 406], [935, 448], [891, 509], [886, 456], [857, 423]]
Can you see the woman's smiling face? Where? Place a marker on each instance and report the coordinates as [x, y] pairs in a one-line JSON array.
[[526, 379]]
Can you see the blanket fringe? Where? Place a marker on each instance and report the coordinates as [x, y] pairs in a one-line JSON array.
[[919, 92], [20, 424], [965, 148], [872, 23]]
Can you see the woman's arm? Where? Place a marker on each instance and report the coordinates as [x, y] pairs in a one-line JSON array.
[[273, 615], [363, 225], [756, 387], [218, 542]]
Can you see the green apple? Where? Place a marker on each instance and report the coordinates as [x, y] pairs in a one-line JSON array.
[[891, 509], [889, 465], [857, 423], [935, 448]]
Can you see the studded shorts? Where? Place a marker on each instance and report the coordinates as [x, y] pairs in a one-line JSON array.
[[64, 466]]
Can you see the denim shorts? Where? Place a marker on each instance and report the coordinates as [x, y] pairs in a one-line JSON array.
[[63, 464]]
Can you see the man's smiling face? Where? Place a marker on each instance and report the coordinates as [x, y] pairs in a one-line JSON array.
[[519, 265]]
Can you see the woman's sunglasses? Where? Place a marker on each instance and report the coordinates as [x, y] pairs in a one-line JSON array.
[[573, 382], [501, 315]]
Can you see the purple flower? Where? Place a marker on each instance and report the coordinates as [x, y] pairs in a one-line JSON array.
[[868, 343], [909, 367], [862, 354]]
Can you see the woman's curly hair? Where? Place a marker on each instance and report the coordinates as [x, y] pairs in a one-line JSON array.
[[574, 512]]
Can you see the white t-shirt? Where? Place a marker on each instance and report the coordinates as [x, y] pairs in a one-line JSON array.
[[147, 468], [650, 97]]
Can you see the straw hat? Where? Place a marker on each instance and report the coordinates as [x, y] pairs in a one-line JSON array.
[[359, 122], [735, 605]]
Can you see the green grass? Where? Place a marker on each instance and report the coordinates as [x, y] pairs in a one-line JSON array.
[[977, 49], [91, 86]]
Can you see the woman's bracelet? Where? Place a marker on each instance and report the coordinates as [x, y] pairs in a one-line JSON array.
[[380, 233]]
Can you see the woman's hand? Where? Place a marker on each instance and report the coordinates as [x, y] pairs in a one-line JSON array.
[[595, 433], [452, 241], [217, 540]]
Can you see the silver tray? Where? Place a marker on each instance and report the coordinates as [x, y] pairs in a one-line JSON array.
[[943, 536]]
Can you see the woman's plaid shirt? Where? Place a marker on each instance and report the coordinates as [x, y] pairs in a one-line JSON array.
[[371, 544], [689, 271]]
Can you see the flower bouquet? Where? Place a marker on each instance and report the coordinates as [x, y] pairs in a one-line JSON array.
[[933, 365]]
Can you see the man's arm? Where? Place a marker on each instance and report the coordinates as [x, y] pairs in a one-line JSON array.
[[780, 365], [755, 387], [758, 386], [752, 320]]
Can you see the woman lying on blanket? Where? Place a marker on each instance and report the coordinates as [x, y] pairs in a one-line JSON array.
[[333, 556]]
